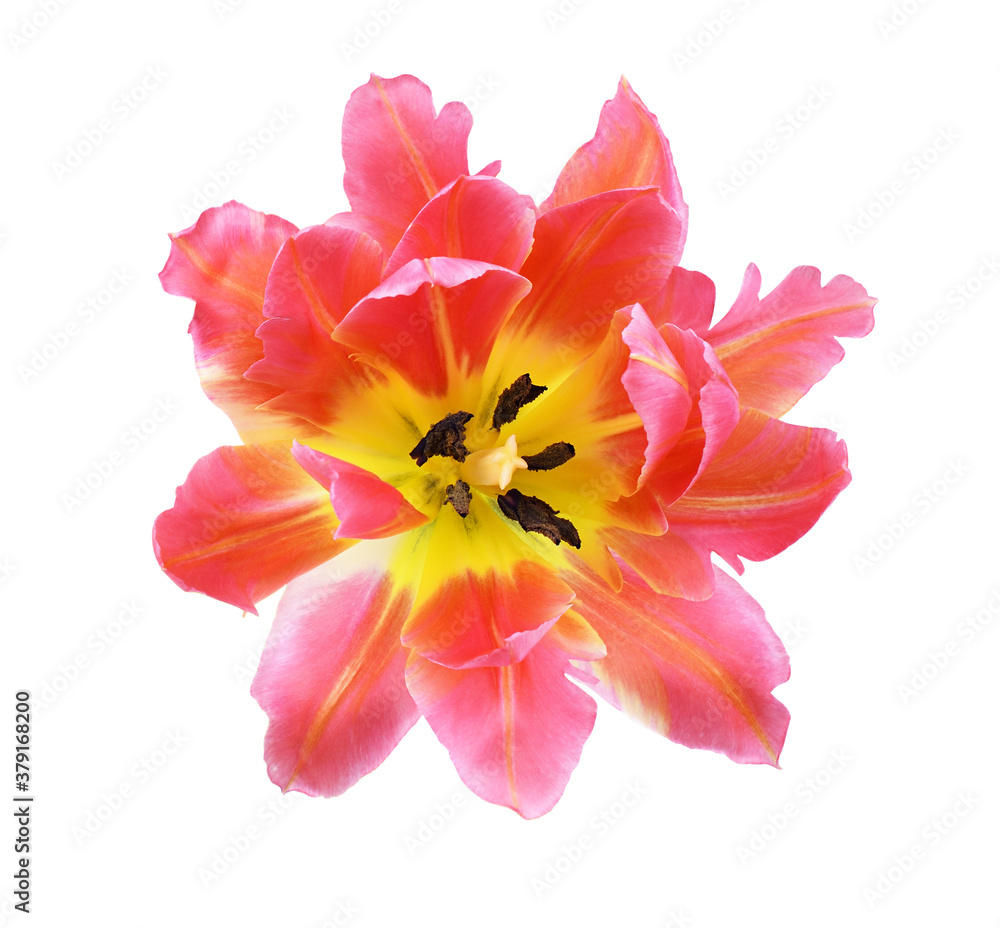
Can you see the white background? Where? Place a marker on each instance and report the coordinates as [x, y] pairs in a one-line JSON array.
[[870, 770]]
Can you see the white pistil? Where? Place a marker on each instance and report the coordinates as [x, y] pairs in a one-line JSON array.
[[493, 467]]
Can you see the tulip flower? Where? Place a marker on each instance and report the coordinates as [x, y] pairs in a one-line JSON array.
[[488, 449]]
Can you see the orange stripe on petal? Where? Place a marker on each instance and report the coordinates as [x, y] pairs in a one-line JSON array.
[[514, 732], [700, 673], [765, 488], [222, 263], [246, 521], [776, 348], [331, 677], [398, 153]]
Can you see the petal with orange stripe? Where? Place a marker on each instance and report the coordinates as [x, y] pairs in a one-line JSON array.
[[700, 673], [331, 677], [765, 488], [246, 521], [628, 150], [222, 263], [476, 217], [398, 153], [318, 275], [434, 321], [514, 732], [776, 348]]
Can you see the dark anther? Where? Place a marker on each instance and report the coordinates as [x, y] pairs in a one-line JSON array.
[[445, 438], [521, 392], [459, 496], [550, 457], [535, 515]]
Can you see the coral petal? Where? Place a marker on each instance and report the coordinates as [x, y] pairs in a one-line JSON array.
[[700, 673], [222, 263], [514, 732], [331, 679], [398, 153], [776, 348], [246, 521]]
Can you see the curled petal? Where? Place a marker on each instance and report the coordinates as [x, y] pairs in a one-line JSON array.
[[433, 321], [367, 506], [318, 275], [398, 153], [686, 300], [475, 217], [222, 263], [331, 678], [765, 488], [700, 673], [514, 732], [628, 150], [776, 348], [658, 387], [666, 562], [246, 521]]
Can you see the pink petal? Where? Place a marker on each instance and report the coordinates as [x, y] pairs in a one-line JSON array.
[[589, 259], [700, 673], [475, 217], [765, 488], [658, 388], [775, 349], [714, 412], [628, 150], [367, 506], [318, 275], [331, 679], [488, 620], [514, 732], [433, 321], [222, 263], [246, 521], [666, 562], [686, 300], [398, 153]]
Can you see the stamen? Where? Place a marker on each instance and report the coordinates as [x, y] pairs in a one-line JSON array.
[[550, 457], [445, 438], [521, 392], [459, 496], [535, 515], [494, 467]]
